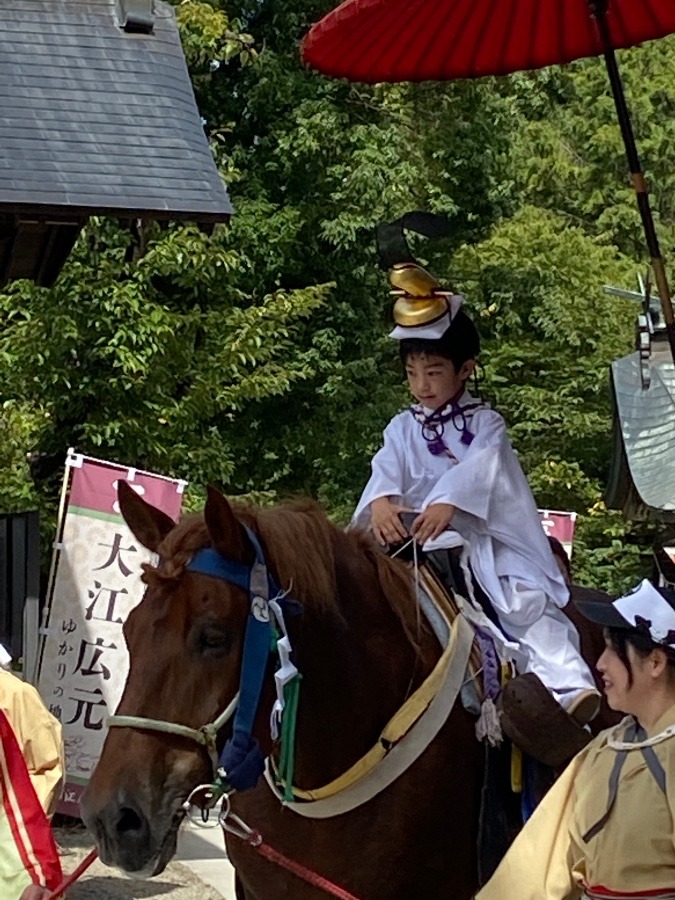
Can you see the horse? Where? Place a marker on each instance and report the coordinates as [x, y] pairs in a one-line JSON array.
[[361, 649]]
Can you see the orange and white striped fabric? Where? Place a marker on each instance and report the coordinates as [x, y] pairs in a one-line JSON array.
[[28, 854]]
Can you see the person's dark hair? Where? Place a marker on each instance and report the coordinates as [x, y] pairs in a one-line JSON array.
[[559, 551], [458, 343], [641, 642]]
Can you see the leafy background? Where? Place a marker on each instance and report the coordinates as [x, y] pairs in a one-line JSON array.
[[257, 359]]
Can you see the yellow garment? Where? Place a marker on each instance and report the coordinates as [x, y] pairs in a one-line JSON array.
[[39, 736], [635, 851]]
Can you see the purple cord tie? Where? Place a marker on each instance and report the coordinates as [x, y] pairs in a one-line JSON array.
[[490, 663], [433, 425]]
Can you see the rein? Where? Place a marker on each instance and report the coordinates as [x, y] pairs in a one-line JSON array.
[[68, 880], [232, 824]]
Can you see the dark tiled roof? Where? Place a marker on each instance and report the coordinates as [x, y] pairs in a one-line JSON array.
[[642, 480], [97, 120]]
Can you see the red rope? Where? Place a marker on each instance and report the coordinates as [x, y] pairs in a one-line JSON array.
[[255, 840], [72, 878]]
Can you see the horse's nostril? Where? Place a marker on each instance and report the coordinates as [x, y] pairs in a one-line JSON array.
[[129, 820]]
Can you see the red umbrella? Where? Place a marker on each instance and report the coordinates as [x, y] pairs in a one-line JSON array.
[[438, 40]]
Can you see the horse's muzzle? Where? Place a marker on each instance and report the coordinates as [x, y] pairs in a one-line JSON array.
[[124, 836]]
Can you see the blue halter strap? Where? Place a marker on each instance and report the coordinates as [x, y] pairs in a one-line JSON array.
[[241, 759]]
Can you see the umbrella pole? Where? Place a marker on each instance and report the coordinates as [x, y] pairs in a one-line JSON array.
[[599, 11]]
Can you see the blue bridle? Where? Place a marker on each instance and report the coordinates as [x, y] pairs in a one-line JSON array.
[[241, 762]]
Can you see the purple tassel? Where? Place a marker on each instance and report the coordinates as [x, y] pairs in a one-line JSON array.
[[437, 447], [490, 662], [433, 425]]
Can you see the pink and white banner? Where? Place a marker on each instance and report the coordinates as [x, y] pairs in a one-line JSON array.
[[95, 584], [559, 525]]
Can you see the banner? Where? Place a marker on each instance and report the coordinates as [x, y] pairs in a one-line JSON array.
[[559, 525], [94, 585]]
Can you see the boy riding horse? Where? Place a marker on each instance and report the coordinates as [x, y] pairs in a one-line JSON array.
[[448, 459]]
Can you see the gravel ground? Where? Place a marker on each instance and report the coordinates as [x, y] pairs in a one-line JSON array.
[[102, 883]]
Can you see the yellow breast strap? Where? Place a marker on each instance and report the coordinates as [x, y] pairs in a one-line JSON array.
[[396, 728]]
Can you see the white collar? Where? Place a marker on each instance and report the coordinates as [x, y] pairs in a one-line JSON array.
[[614, 742]]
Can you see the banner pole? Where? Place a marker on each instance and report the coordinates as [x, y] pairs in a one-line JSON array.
[[56, 546]]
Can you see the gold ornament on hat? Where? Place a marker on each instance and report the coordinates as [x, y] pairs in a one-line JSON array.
[[420, 299]]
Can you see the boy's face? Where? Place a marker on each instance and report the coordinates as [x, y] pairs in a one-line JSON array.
[[433, 380]]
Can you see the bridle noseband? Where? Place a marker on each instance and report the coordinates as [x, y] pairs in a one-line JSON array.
[[206, 736]]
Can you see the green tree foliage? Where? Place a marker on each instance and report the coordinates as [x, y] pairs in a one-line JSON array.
[[547, 328], [156, 361], [257, 359], [570, 154]]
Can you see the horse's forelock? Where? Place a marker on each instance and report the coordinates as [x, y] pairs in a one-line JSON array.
[[176, 550], [299, 546]]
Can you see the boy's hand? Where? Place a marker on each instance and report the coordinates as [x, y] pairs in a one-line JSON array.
[[432, 522], [386, 525]]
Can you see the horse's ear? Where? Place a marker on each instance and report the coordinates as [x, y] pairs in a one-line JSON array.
[[225, 530], [147, 523]]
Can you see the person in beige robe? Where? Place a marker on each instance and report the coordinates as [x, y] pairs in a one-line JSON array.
[[39, 735], [34, 736], [607, 827]]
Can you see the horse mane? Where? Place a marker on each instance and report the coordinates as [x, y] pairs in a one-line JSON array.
[[303, 549]]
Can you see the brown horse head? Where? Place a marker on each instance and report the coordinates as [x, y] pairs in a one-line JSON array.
[[184, 642]]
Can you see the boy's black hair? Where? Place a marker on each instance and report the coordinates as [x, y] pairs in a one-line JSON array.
[[458, 343]]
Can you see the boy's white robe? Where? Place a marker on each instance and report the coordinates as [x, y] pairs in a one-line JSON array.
[[497, 519]]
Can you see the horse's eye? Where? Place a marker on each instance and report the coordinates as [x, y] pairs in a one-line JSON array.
[[213, 641]]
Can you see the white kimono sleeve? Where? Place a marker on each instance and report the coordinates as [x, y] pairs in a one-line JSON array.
[[470, 485], [388, 474]]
